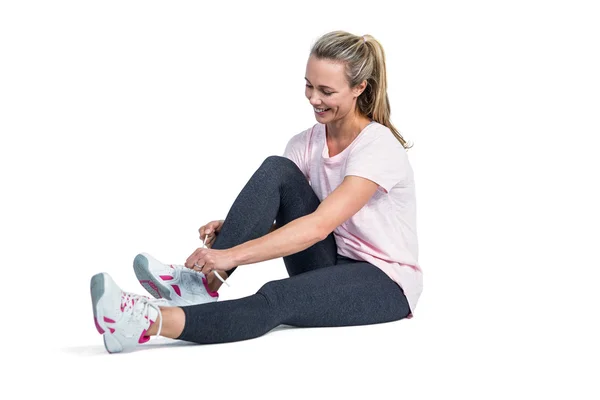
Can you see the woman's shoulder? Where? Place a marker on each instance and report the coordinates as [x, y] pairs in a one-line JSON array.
[[379, 139], [375, 134], [379, 130], [300, 140], [308, 134]]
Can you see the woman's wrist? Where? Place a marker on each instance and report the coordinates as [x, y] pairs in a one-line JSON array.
[[234, 256]]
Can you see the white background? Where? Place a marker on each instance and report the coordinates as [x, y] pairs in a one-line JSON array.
[[126, 125]]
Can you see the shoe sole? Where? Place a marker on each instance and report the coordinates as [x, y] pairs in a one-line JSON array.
[[153, 285], [97, 290]]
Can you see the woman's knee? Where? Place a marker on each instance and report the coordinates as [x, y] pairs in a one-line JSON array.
[[280, 165], [273, 291]]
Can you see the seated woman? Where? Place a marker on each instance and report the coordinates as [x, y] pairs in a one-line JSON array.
[[343, 201]]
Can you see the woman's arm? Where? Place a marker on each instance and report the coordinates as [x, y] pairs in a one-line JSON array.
[[291, 238], [345, 201]]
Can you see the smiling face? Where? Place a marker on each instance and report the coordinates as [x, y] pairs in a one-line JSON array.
[[327, 88]]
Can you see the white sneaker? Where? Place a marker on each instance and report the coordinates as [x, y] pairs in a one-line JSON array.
[[179, 285], [122, 318]]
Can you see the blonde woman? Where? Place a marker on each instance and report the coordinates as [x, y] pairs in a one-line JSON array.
[[343, 201]]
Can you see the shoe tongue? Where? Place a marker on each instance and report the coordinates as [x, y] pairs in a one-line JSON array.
[[141, 301], [152, 314]]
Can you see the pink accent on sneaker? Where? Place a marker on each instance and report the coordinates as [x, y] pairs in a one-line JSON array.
[[144, 336], [212, 294], [109, 320], [111, 330], [100, 330], [176, 288], [166, 277], [172, 266]]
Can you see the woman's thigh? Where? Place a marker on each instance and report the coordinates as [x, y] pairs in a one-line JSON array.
[[355, 293]]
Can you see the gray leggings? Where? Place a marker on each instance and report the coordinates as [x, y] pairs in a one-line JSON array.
[[323, 289]]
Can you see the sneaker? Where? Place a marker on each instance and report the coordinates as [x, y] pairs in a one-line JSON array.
[[179, 285], [122, 318]]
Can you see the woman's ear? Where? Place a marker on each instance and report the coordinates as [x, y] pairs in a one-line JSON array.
[[358, 89]]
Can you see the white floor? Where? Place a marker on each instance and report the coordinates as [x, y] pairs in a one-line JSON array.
[[472, 345]]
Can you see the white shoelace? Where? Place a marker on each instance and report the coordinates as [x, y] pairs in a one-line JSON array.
[[147, 303]]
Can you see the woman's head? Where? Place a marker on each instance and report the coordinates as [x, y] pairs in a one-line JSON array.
[[346, 74], [327, 89]]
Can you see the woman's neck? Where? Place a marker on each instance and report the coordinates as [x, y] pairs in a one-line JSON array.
[[346, 130]]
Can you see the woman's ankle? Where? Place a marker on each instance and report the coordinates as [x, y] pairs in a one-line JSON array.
[[173, 321], [215, 283]]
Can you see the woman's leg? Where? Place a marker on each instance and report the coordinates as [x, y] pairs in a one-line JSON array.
[[354, 293], [277, 191]]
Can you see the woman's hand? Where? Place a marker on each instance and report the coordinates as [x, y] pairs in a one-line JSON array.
[[211, 230], [207, 260]]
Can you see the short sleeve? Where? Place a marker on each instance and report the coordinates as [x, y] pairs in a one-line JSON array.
[[296, 150], [381, 159]]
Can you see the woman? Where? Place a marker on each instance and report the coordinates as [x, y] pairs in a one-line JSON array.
[[343, 201]]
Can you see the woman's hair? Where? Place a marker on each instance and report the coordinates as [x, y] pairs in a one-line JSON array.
[[364, 59]]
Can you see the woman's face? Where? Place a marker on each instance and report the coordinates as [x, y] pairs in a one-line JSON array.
[[327, 88]]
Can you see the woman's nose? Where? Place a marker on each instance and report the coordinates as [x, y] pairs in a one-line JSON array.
[[314, 100]]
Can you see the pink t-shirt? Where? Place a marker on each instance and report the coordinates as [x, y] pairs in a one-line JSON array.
[[383, 232]]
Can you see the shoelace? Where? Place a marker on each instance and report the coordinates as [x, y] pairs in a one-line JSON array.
[[146, 303]]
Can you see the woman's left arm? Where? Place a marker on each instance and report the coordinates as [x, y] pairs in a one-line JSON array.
[[291, 238]]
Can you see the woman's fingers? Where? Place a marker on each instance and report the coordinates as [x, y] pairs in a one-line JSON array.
[[202, 232], [206, 270], [193, 258], [212, 227], [197, 267]]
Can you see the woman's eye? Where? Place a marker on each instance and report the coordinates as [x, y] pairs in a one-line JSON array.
[[325, 93]]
